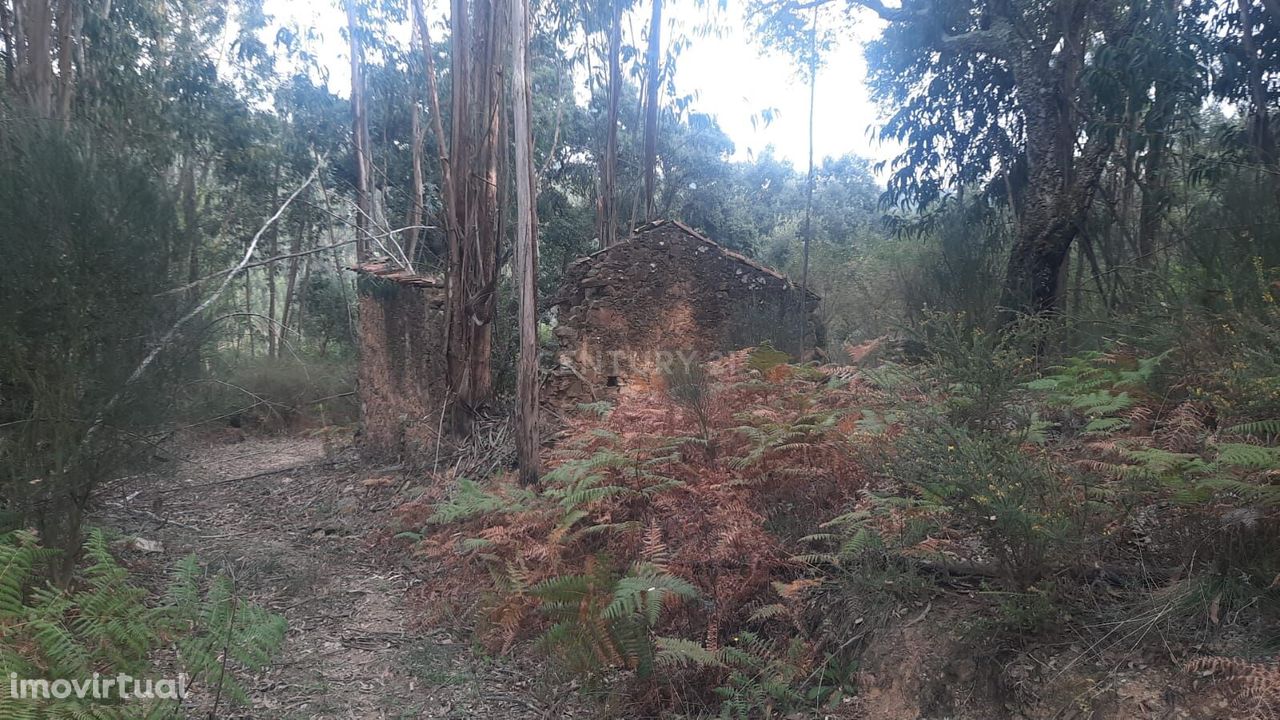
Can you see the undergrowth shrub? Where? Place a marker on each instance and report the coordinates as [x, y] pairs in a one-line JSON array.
[[1107, 480], [690, 386], [979, 370], [1031, 518], [1190, 472], [275, 394], [641, 559], [103, 624], [80, 224]]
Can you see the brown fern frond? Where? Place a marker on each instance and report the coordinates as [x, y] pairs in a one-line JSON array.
[[1183, 430], [1252, 688], [654, 549]]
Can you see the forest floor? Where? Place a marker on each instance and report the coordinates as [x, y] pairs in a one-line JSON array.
[[295, 528]]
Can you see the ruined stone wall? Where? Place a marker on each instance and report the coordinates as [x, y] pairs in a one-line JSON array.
[[402, 370], [667, 296]]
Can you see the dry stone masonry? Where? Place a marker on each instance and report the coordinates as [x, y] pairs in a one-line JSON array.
[[666, 295], [402, 369]]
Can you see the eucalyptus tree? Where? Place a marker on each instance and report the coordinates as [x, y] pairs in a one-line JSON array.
[[470, 160], [653, 78], [526, 247], [1246, 64], [1016, 96], [359, 129]]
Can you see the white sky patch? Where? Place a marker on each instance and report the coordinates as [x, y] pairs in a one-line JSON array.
[[734, 80], [728, 74]]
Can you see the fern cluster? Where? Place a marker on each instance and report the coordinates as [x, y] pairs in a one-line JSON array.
[[103, 624], [604, 620], [658, 529]]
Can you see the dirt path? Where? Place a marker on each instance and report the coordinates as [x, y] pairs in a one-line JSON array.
[[296, 539]]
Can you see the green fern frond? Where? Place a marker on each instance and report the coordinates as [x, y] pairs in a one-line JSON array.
[[681, 653], [1259, 428], [1255, 457]]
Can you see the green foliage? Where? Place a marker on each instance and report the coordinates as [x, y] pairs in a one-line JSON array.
[[217, 623], [770, 438], [979, 371], [600, 409], [104, 625], [603, 620], [771, 678], [1098, 386], [690, 386], [79, 227], [472, 500], [1032, 516], [1020, 615], [766, 357]]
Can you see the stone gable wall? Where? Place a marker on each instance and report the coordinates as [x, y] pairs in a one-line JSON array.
[[627, 313]]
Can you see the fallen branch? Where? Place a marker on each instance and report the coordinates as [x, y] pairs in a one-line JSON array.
[[168, 337]]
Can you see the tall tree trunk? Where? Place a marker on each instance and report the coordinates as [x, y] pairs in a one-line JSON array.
[[526, 250], [301, 317], [248, 311], [479, 35], [808, 189], [273, 344], [1155, 193], [6, 44], [291, 281], [652, 79], [68, 38], [360, 134], [33, 40], [191, 227], [607, 202], [416, 212], [1060, 184]]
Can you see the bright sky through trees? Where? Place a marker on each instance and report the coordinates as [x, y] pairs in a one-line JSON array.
[[727, 72]]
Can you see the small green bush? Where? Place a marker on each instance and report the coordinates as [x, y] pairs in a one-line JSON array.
[[1031, 515]]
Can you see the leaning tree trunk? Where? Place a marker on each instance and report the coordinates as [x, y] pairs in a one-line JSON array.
[[1061, 183]]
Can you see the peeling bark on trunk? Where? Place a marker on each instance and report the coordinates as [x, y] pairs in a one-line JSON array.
[[526, 250], [478, 29]]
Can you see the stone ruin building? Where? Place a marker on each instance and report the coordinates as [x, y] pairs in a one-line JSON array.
[[667, 294], [625, 315], [402, 372]]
